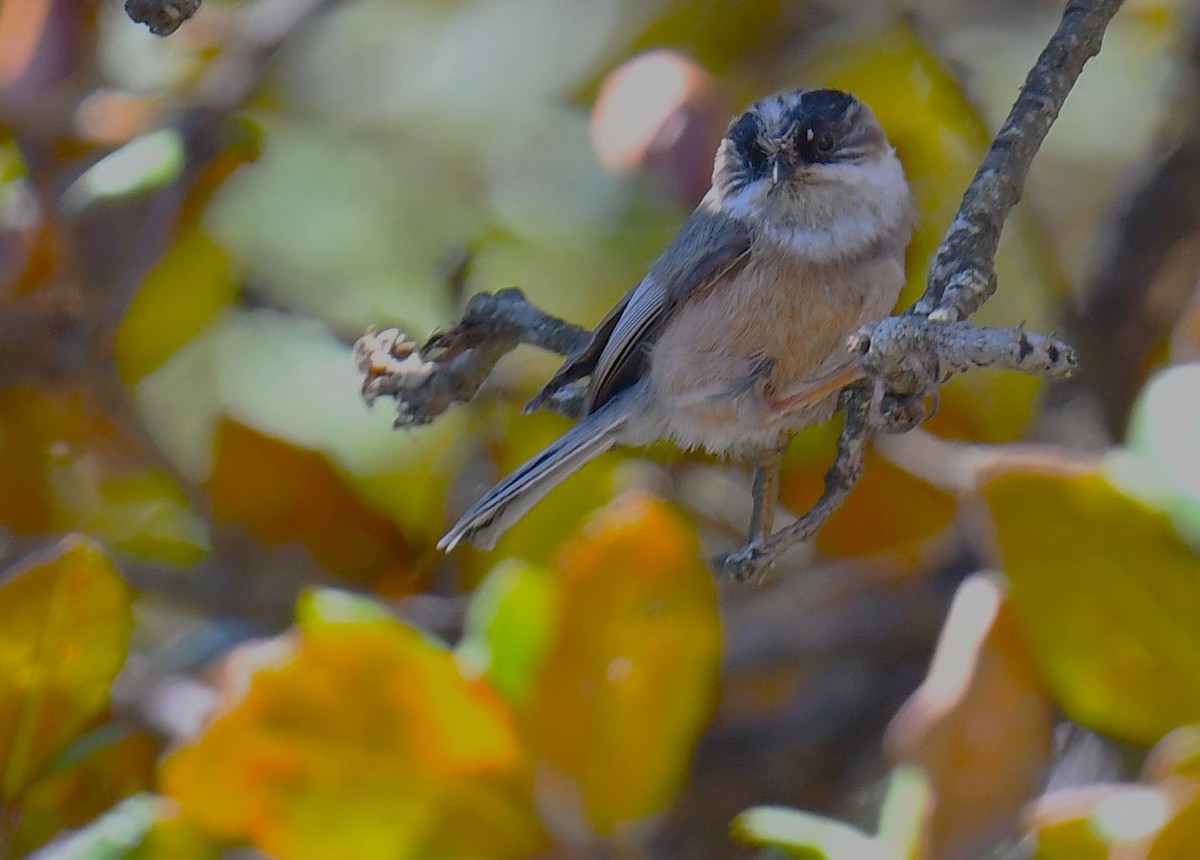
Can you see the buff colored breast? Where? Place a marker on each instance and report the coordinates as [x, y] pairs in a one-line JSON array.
[[759, 336]]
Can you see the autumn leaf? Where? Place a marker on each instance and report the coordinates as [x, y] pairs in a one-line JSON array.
[[283, 493], [177, 299], [630, 672], [65, 621], [1107, 594], [66, 465], [979, 725], [362, 740], [1157, 818], [870, 523]]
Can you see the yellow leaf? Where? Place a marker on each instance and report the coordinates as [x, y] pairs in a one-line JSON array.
[[67, 466], [1179, 837], [1176, 756], [183, 293], [1107, 595], [630, 673], [361, 741], [1068, 824], [65, 621], [1157, 819]]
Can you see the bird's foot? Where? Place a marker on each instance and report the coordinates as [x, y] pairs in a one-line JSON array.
[[748, 563]]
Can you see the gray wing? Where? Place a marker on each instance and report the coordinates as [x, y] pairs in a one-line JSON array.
[[708, 247]]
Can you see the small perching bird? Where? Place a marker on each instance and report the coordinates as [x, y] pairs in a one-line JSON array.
[[736, 337]]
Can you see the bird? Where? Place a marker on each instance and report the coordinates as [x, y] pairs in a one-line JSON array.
[[735, 339]]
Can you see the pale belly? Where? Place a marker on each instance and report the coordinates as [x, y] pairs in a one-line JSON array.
[[728, 356]]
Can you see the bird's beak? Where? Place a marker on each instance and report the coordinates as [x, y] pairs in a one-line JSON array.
[[780, 170]]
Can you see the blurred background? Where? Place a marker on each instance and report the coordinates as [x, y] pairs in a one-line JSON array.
[[194, 230]]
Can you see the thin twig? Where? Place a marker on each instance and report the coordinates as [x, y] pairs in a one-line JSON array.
[[753, 560], [452, 365], [962, 275]]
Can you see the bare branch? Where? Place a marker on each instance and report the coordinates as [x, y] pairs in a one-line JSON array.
[[890, 349], [962, 276], [163, 17], [452, 365]]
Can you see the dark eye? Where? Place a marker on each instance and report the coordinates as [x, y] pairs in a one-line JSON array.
[[823, 143]]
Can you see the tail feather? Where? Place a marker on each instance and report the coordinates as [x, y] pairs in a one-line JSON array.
[[511, 499]]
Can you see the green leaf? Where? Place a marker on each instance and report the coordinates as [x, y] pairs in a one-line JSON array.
[[65, 621], [1108, 596], [334, 606], [804, 835], [143, 164], [508, 628], [904, 818]]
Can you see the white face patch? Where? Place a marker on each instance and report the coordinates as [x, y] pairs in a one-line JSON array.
[[841, 209]]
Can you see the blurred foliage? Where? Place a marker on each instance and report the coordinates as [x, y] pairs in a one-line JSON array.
[[1109, 601], [192, 231], [431, 754]]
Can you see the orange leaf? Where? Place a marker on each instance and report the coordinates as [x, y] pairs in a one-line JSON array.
[[871, 523], [979, 724], [65, 621], [285, 493], [363, 740], [629, 676]]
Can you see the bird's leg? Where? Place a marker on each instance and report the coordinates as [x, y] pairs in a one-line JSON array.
[[765, 491], [752, 561]]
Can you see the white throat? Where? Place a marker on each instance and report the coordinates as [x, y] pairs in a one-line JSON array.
[[836, 212]]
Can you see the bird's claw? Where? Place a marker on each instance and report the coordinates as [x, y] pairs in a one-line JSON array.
[[742, 565]]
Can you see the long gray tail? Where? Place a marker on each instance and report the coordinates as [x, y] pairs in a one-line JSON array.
[[512, 498]]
